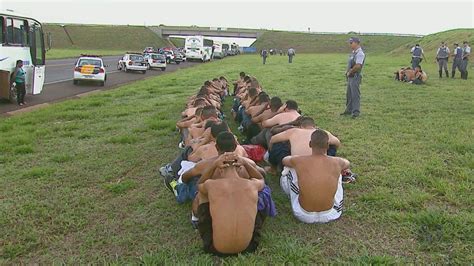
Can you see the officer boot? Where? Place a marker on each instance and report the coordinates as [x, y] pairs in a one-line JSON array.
[[453, 73], [447, 73], [440, 73]]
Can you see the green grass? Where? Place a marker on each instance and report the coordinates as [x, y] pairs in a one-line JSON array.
[[79, 181], [73, 53], [430, 43], [106, 38], [327, 43], [177, 41]]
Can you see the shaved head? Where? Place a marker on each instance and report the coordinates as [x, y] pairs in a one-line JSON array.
[[319, 139]]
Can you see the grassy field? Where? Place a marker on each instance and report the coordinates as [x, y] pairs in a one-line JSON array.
[[79, 180], [328, 43], [73, 53], [430, 43], [102, 37]]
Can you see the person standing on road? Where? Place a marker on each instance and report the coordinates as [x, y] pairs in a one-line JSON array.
[[264, 55], [416, 56], [291, 53], [457, 60], [466, 52], [18, 78], [354, 78], [442, 56]]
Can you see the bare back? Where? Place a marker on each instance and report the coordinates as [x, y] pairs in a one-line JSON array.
[[318, 177], [299, 141], [233, 207]]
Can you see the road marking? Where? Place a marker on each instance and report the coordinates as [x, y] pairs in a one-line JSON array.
[[64, 80]]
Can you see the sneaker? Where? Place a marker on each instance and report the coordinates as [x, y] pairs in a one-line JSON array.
[[181, 145], [349, 177], [345, 113], [354, 116], [171, 184], [194, 224], [166, 170]]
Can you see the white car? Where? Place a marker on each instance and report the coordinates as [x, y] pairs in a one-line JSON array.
[[90, 68], [155, 61], [132, 62]]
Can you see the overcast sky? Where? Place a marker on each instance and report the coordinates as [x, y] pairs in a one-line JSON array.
[[403, 16]]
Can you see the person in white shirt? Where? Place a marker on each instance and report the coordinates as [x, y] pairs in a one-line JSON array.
[[417, 56], [457, 59], [466, 52], [442, 56]]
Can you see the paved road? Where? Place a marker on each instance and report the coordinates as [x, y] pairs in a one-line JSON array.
[[59, 82], [62, 69]]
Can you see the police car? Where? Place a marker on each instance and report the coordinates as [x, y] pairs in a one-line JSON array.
[[132, 62], [155, 60], [90, 68]]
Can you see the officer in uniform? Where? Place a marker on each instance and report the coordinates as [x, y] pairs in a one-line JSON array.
[[457, 59], [264, 55], [466, 52], [354, 78], [416, 54], [291, 53], [442, 56]]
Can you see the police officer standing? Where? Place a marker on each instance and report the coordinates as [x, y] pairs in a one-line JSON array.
[[457, 60], [416, 54], [264, 55], [466, 52], [442, 56], [354, 78], [291, 53]]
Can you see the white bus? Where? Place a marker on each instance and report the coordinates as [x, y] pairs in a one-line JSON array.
[[21, 38], [196, 49]]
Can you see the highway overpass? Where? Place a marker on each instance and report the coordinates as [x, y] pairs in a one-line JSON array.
[[166, 31]]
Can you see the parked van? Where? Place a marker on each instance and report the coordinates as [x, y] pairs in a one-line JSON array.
[[218, 51]]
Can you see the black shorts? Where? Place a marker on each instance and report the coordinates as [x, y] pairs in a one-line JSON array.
[[205, 230]]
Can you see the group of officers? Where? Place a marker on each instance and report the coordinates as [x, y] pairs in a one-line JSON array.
[[460, 57], [291, 53]]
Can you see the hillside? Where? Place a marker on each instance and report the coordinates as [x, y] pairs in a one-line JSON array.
[[178, 42], [328, 43], [430, 43], [103, 37]]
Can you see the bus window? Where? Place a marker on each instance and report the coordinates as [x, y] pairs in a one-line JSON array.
[[17, 32], [9, 30], [1, 31]]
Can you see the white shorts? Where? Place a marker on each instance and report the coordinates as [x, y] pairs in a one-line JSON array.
[[289, 184], [185, 166]]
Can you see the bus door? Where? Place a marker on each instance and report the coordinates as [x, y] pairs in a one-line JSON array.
[[37, 51]]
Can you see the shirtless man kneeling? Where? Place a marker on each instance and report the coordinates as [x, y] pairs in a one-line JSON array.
[[313, 182], [229, 222]]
